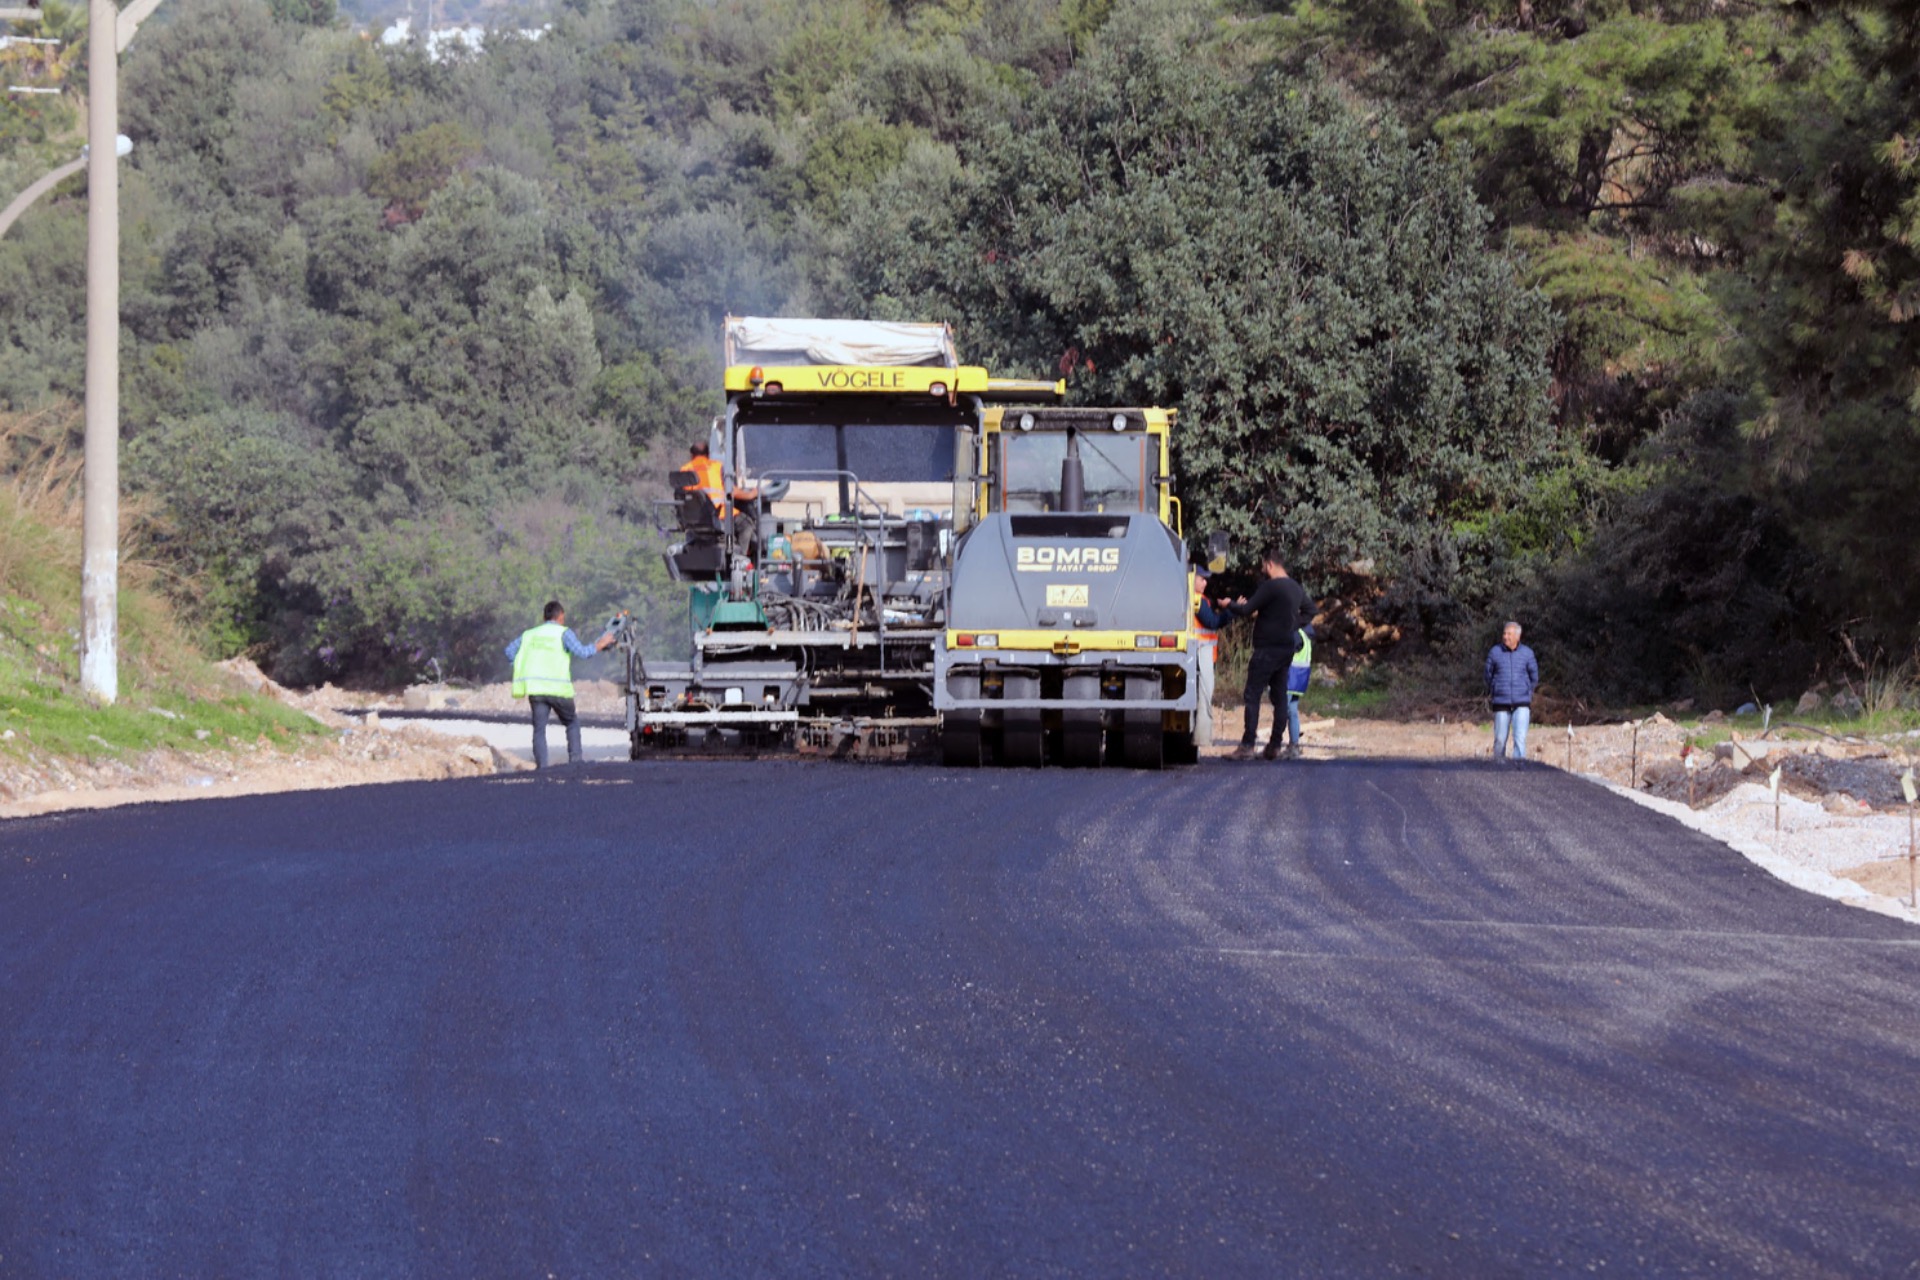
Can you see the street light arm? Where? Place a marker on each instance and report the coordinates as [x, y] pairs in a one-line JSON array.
[[13, 211], [129, 22]]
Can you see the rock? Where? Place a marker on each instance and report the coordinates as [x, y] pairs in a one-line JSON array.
[[1846, 806], [1846, 704], [1747, 709], [504, 763], [202, 735], [1658, 721], [255, 679], [162, 711], [1681, 707], [1749, 755], [1714, 717], [371, 720], [1809, 701], [476, 754], [424, 698]]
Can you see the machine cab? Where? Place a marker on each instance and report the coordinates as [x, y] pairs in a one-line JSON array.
[[1123, 455], [843, 420]]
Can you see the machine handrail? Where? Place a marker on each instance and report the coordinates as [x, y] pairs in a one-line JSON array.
[[880, 513]]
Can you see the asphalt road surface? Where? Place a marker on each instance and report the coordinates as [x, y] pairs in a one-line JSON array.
[[769, 1019]]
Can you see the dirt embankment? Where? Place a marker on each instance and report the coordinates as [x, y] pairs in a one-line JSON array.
[[353, 750]]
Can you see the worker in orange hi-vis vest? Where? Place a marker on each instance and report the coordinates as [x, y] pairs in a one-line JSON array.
[[706, 470], [1207, 622]]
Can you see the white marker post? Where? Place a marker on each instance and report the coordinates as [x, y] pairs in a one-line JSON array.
[[1693, 765], [1569, 746], [1773, 785], [1913, 884]]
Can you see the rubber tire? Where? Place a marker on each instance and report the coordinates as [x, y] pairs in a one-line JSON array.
[[1143, 743], [960, 739], [1023, 739], [1083, 739]]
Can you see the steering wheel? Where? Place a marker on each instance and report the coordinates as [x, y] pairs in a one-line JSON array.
[[774, 490]]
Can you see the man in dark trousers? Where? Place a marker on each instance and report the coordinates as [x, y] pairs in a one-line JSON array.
[[1280, 607], [543, 674]]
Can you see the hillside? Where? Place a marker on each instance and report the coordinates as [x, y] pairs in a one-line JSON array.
[[1602, 315], [182, 725]]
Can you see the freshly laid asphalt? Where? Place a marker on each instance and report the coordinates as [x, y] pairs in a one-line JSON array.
[[768, 1019]]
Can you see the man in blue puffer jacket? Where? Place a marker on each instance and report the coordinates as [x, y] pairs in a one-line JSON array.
[[1512, 676]]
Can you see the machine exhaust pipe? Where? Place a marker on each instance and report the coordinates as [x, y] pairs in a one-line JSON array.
[[1073, 476]]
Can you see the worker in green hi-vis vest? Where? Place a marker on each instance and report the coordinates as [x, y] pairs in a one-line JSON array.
[[543, 675]]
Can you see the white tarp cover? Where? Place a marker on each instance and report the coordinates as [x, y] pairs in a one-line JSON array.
[[751, 340]]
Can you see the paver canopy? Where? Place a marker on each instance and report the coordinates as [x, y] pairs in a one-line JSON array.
[[851, 342]]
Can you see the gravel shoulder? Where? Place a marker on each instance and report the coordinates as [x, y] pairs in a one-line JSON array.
[[356, 750]]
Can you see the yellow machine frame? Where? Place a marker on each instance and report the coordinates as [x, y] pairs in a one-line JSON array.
[[817, 379], [1159, 431]]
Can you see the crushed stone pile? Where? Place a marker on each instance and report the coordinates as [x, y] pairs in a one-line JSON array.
[[590, 698]]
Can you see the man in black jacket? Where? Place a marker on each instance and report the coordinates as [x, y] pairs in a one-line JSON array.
[[1280, 607]]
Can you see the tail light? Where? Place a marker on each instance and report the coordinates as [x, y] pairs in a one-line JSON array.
[[1169, 642]]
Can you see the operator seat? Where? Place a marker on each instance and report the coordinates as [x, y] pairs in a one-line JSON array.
[[699, 556]]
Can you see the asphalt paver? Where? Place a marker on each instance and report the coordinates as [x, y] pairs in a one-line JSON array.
[[783, 1018]]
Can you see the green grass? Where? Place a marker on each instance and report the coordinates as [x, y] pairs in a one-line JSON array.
[[170, 695], [49, 720], [1343, 700]]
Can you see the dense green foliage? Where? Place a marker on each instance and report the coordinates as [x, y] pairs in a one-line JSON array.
[[1603, 310], [1722, 200], [1358, 373]]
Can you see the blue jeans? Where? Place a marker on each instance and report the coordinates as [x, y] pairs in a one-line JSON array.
[[1293, 719], [562, 710], [1514, 719]]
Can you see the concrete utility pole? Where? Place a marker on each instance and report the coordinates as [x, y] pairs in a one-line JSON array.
[[100, 487]]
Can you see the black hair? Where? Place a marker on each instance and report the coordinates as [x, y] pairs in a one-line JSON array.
[[699, 450], [1272, 556], [552, 611]]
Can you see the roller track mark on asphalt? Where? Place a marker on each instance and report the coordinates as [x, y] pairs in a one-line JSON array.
[[1625, 931], [1518, 1030], [798, 1019], [1086, 1031]]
